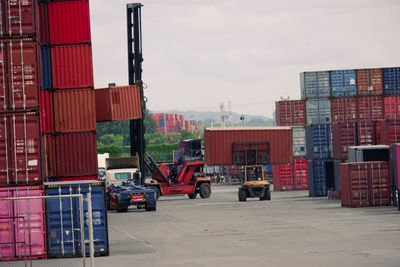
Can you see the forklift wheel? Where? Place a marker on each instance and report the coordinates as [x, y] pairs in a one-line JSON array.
[[192, 196], [150, 205], [205, 190], [268, 194], [242, 195]]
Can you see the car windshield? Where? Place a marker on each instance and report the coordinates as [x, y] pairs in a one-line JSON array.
[[123, 176]]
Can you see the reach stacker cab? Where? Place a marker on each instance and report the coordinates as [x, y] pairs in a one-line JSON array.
[[254, 184]]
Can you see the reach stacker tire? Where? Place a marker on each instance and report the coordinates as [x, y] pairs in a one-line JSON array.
[[192, 196], [205, 190]]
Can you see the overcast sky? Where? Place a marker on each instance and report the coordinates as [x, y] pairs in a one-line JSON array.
[[199, 53]]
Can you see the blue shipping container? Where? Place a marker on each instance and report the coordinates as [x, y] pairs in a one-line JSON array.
[[320, 177], [319, 141], [343, 83], [315, 84], [318, 111], [63, 220], [391, 81], [46, 67], [161, 123]]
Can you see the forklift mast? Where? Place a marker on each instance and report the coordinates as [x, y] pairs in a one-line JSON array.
[[135, 60]]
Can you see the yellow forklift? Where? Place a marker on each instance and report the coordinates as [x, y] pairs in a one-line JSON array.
[[254, 183]]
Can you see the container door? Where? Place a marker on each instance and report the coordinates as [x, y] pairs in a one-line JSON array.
[[7, 248], [5, 161], [358, 184], [3, 77], [30, 230], [19, 17], [25, 149], [380, 185]]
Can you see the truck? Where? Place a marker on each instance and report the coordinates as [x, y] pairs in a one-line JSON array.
[[185, 176], [122, 171]]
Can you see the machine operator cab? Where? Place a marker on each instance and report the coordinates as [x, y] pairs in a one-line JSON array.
[[253, 173]]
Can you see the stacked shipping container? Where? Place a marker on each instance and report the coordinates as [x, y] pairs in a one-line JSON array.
[[167, 123]]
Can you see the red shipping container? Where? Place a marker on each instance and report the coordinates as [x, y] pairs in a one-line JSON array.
[[300, 174], [72, 179], [171, 117], [344, 109], [392, 107], [46, 111], [20, 149], [369, 82], [343, 135], [283, 174], [218, 143], [19, 18], [171, 123], [181, 117], [290, 113], [69, 22], [22, 224], [72, 66], [370, 108], [23, 75], [365, 184], [155, 116], [366, 133], [388, 132], [74, 110], [71, 154], [118, 103], [43, 14]]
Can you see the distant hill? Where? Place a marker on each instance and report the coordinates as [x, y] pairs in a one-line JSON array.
[[210, 118]]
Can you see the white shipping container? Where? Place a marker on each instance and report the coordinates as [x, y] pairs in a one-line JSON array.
[[318, 111], [299, 141]]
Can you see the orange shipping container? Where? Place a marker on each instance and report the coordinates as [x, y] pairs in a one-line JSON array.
[[218, 143], [369, 82], [118, 103], [74, 110]]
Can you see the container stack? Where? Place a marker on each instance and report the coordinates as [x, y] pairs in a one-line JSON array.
[[293, 176], [22, 222], [167, 123]]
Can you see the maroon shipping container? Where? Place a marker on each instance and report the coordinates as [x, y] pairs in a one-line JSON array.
[[365, 184], [369, 82], [118, 103], [70, 154], [300, 174], [290, 113], [366, 133], [46, 111], [43, 14], [74, 110], [344, 109], [388, 132], [392, 107], [19, 18], [23, 230], [20, 149], [343, 135], [19, 75], [370, 108], [72, 66], [69, 22], [218, 143]]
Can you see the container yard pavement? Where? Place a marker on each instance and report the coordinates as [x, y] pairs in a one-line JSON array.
[[290, 230]]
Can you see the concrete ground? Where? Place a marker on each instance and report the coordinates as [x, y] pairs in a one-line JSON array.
[[290, 230]]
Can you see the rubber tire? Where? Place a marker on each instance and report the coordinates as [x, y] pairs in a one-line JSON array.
[[150, 205], [192, 196], [268, 194], [205, 190], [158, 193], [242, 195]]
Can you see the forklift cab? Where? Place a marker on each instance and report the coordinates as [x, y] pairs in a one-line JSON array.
[[253, 173]]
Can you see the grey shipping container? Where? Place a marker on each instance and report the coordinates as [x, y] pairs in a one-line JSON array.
[[318, 111], [368, 153], [299, 141], [315, 84]]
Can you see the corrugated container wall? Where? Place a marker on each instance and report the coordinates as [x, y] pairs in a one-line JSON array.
[[69, 22], [290, 113], [23, 228], [318, 111], [315, 84], [118, 103], [319, 141], [20, 149], [392, 107], [343, 136], [18, 19], [46, 67], [46, 111], [391, 81], [344, 109], [282, 177], [72, 66], [320, 177], [388, 132], [218, 143], [369, 82], [344, 83], [299, 141], [366, 133], [300, 174], [74, 110], [43, 15], [71, 154], [62, 218], [370, 108]]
